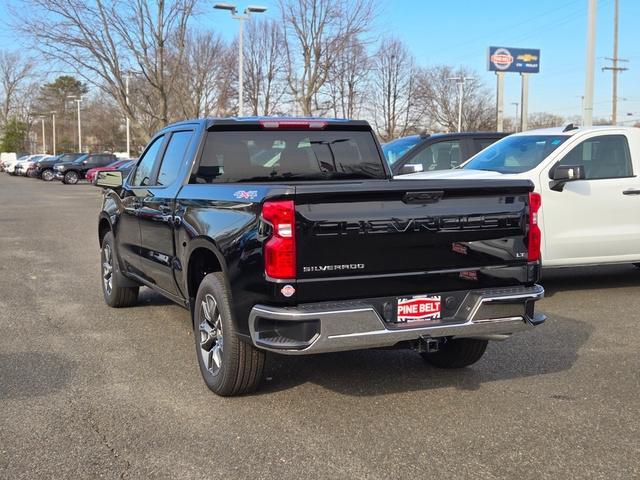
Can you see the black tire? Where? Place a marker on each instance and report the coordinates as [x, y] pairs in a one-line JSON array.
[[457, 353], [71, 177], [229, 366], [115, 295], [47, 175]]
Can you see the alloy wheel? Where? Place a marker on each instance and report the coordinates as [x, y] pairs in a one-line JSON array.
[[107, 268], [211, 335], [72, 178]]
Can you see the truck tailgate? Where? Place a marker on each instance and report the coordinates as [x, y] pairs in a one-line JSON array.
[[402, 236]]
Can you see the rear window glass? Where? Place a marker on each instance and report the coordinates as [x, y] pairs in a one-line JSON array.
[[264, 156]]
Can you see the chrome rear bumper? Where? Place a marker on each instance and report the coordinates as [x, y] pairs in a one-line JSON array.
[[352, 325]]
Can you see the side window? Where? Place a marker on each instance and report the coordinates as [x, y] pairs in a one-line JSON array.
[[606, 156], [173, 157], [438, 156], [144, 169]]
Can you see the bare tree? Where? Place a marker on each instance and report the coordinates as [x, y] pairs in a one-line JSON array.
[[438, 95], [202, 87], [544, 120], [315, 31], [264, 66], [103, 39], [393, 84], [347, 79], [15, 72]]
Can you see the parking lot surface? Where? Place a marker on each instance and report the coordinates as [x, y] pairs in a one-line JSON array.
[[87, 391]]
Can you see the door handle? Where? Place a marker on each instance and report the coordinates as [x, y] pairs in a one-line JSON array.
[[631, 191]]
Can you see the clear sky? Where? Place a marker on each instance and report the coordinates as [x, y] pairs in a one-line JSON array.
[[459, 32]]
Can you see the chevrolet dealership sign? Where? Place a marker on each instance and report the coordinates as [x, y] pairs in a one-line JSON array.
[[520, 60]]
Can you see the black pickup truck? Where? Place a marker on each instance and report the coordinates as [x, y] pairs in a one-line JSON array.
[[72, 171], [290, 236]]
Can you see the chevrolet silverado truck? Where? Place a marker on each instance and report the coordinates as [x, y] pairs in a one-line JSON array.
[[588, 180], [291, 236]]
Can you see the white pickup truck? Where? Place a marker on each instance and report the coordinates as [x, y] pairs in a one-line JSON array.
[[589, 184]]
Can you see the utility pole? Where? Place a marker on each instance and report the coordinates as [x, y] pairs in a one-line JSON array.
[[587, 112], [614, 67], [460, 81], [515, 122]]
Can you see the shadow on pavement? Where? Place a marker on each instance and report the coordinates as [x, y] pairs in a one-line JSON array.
[[33, 374], [587, 278], [550, 348]]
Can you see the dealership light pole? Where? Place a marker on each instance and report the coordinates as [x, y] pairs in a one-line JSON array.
[[53, 115], [241, 18], [460, 81], [44, 142], [515, 122], [78, 100]]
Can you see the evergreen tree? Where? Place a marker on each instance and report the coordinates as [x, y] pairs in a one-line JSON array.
[[14, 138]]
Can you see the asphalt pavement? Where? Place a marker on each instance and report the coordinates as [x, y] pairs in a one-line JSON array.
[[87, 391]]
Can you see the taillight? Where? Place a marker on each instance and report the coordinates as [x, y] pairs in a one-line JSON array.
[[535, 234], [280, 249]]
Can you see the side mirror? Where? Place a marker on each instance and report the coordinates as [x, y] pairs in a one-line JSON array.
[[408, 168], [109, 179], [562, 174]]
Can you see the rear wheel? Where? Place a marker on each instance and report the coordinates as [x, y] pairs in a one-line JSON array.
[[457, 353], [71, 178], [47, 175], [115, 295], [228, 365]]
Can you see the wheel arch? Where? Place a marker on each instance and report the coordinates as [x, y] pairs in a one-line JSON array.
[[203, 257]]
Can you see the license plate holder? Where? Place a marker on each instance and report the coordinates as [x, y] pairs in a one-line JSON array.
[[418, 308]]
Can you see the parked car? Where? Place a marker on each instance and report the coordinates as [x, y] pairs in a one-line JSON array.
[[439, 151], [271, 231], [10, 166], [588, 180], [90, 175], [72, 172], [24, 167], [44, 168], [7, 157]]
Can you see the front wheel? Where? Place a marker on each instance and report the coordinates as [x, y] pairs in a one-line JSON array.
[[229, 366], [47, 175], [115, 295], [71, 178], [457, 353]]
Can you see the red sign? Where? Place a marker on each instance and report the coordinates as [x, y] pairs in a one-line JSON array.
[[418, 308]]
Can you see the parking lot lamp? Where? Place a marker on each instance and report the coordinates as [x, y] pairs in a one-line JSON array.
[[241, 18], [53, 115], [460, 81], [44, 142], [78, 100]]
